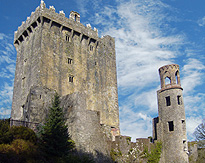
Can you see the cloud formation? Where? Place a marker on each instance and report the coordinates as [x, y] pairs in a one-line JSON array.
[[144, 42]]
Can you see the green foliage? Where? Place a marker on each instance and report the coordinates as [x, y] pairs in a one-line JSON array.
[[5, 136], [154, 155], [55, 141], [25, 133], [115, 153], [201, 155], [18, 151]]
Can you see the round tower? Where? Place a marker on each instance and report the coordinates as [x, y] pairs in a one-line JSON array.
[[171, 128]]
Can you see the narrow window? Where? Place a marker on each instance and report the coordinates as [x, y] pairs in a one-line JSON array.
[[67, 38], [183, 125], [168, 102], [179, 100], [184, 143], [40, 96], [71, 79], [91, 48], [171, 126], [69, 61]]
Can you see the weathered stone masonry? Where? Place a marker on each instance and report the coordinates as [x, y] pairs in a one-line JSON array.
[[55, 53], [170, 126]]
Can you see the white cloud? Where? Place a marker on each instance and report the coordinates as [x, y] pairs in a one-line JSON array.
[[201, 22], [191, 124], [144, 42], [192, 75]]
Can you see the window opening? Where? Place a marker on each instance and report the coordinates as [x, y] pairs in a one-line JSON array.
[[71, 79], [171, 125], [75, 17], [67, 38], [177, 77], [40, 96], [29, 29], [34, 25], [179, 100], [184, 143], [167, 80], [168, 101], [69, 61], [91, 48]]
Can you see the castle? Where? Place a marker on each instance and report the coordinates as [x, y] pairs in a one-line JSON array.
[[59, 54]]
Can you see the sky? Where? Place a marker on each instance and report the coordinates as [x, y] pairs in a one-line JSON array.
[[148, 34]]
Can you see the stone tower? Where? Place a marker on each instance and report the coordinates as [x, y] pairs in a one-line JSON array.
[[170, 126], [55, 53]]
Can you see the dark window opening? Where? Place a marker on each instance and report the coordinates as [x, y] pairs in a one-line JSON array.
[[40, 96], [20, 38], [168, 101], [67, 38], [34, 25], [69, 61], [71, 79], [29, 29], [25, 33], [183, 121], [95, 63], [75, 17], [171, 125], [16, 42], [91, 48], [179, 100], [55, 24], [46, 20], [39, 20]]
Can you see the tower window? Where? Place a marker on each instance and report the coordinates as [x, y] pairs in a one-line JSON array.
[[67, 38], [171, 125], [91, 48], [179, 100], [168, 101], [69, 61], [71, 79]]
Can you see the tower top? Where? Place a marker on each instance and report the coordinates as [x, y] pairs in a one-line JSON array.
[[169, 76]]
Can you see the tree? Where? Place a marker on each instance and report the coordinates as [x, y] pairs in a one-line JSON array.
[[55, 140], [200, 135]]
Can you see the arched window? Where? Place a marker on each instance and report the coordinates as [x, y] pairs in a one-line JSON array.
[[167, 80], [177, 77]]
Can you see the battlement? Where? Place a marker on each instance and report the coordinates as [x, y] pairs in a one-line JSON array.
[[43, 14], [169, 77]]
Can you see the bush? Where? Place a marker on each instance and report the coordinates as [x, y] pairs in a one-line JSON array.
[[25, 133], [5, 135]]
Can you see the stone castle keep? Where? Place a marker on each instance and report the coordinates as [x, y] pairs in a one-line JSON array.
[[59, 54]]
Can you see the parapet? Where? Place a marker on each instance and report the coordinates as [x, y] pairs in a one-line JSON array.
[[169, 76], [41, 13]]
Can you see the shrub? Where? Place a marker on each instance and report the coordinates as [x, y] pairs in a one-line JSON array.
[[25, 133]]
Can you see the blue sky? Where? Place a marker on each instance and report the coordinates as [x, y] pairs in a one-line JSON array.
[[148, 35]]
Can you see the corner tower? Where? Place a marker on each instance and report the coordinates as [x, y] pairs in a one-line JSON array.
[[170, 126]]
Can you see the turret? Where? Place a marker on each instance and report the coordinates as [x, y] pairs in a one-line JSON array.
[[170, 126]]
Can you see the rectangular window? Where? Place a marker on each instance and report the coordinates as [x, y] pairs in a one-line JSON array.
[[91, 48], [71, 79], [179, 100], [67, 38], [69, 61], [171, 125], [168, 101]]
